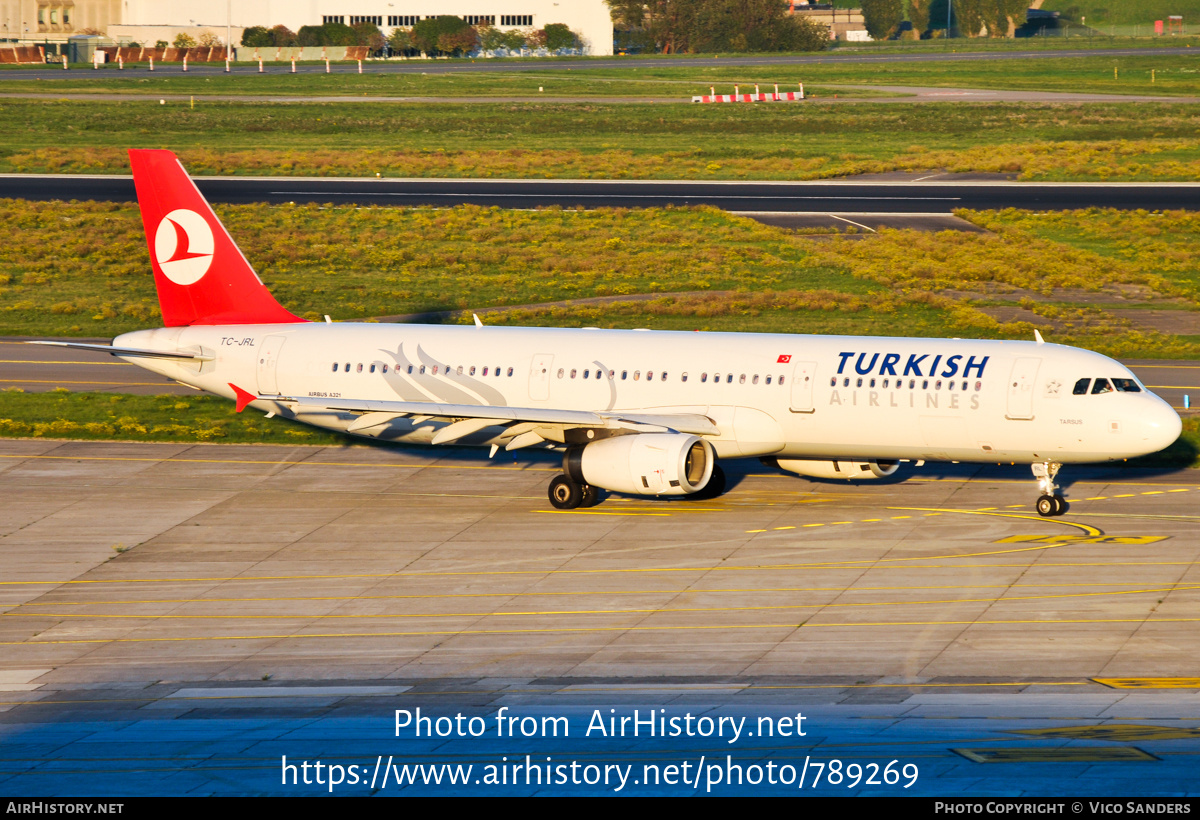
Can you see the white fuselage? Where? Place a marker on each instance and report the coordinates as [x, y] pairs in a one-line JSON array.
[[788, 396]]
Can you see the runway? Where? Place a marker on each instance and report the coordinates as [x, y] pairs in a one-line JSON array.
[[236, 603], [824, 196], [37, 369]]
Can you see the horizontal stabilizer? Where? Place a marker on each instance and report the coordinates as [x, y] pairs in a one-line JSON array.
[[129, 351]]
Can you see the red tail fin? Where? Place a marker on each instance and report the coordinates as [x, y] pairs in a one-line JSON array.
[[201, 276]]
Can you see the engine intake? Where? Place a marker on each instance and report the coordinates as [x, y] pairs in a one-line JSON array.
[[643, 463], [858, 469]]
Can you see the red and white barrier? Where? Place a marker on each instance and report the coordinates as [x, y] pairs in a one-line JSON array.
[[260, 66], [185, 61], [64, 62], [757, 96]]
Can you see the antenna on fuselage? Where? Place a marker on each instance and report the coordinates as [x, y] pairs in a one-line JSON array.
[[1037, 335]]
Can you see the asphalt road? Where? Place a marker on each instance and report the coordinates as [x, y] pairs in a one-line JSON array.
[[823, 196], [489, 66], [176, 618]]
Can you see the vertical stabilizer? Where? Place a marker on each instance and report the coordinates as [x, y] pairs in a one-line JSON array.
[[201, 276]]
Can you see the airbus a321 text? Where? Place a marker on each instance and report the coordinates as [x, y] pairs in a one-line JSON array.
[[648, 413]]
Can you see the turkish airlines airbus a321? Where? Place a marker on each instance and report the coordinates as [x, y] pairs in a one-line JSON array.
[[641, 412]]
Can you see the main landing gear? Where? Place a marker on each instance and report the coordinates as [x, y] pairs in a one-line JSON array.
[[566, 494], [1050, 502]]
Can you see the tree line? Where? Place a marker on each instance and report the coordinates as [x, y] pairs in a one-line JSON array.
[[706, 26], [433, 36], [969, 17]]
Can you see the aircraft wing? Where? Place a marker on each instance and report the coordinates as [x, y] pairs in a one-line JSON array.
[[524, 422], [128, 351]]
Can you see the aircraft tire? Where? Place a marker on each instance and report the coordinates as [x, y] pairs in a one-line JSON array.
[[564, 493], [1047, 506], [1062, 504], [591, 496]]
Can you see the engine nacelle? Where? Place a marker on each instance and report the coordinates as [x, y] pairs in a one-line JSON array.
[[858, 469], [644, 463]]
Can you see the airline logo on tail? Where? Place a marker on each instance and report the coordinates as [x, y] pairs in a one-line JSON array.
[[183, 246]]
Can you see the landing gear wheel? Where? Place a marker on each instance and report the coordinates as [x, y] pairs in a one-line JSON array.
[[1063, 506], [714, 487], [564, 493], [591, 496], [1047, 506]]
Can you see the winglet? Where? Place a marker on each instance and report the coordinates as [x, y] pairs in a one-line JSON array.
[[478, 323], [243, 398]]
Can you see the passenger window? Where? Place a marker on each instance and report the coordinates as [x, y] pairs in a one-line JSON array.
[[637, 374], [845, 382], [435, 369], [1101, 386], [611, 374], [472, 372], [459, 370], [1081, 387], [485, 370], [755, 379], [949, 385], [560, 372], [359, 368], [978, 386], [885, 383], [925, 384], [573, 374], [832, 382], [649, 375], [624, 375], [587, 373], [372, 368], [872, 383], [703, 378], [729, 379], [1126, 385], [683, 377], [858, 383], [335, 367], [385, 368], [781, 379], [742, 379], [663, 376], [510, 371], [347, 367], [421, 372], [912, 384], [410, 369], [938, 386]]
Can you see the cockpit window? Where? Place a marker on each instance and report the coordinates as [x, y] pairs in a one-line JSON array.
[[1101, 386], [1081, 387], [1126, 386]]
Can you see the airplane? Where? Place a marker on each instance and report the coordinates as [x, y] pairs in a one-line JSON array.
[[641, 412]]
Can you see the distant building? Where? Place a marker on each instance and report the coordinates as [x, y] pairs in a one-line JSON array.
[[843, 24], [146, 21]]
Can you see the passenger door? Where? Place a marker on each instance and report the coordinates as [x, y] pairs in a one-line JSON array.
[[1020, 388], [804, 378]]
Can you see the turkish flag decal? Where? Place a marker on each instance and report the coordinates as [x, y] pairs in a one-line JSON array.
[[784, 359]]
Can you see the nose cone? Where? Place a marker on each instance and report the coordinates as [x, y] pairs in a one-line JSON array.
[[1160, 425]]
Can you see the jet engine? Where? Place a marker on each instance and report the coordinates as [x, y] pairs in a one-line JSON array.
[[644, 464], [858, 469]]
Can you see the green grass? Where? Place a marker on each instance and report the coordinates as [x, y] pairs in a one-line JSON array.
[[778, 141], [107, 416], [672, 77], [80, 269]]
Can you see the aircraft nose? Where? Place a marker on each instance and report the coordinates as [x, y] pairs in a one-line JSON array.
[[1160, 425]]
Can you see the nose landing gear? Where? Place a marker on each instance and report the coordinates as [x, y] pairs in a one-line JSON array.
[[1050, 502]]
